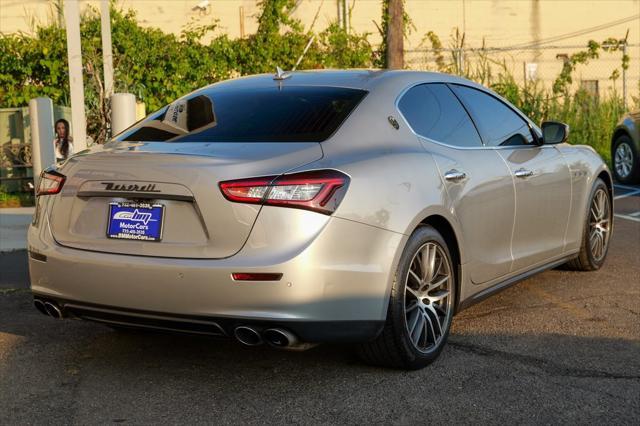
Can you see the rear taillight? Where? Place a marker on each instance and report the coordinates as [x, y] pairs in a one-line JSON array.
[[50, 182], [318, 190]]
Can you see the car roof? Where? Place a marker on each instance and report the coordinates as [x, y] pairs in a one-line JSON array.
[[365, 79]]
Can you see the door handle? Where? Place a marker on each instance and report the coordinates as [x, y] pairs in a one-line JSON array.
[[523, 173], [455, 175]]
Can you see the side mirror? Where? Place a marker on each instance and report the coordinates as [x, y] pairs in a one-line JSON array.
[[554, 132]]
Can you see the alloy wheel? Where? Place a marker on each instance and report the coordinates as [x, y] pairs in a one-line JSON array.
[[428, 303], [623, 160], [599, 224]]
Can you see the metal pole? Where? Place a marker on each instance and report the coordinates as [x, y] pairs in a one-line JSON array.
[[241, 22], [347, 18], [345, 15], [464, 16], [107, 55], [123, 111], [624, 76], [76, 86], [42, 134]]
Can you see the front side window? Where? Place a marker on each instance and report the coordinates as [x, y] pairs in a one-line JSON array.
[[433, 111], [498, 124], [264, 114]]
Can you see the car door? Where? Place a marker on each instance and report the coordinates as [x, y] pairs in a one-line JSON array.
[[542, 179], [477, 183]]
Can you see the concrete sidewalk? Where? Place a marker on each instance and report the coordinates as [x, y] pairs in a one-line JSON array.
[[13, 227]]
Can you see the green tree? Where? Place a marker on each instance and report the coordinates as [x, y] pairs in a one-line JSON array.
[[159, 67]]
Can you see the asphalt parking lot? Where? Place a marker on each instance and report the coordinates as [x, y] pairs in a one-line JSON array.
[[562, 347]]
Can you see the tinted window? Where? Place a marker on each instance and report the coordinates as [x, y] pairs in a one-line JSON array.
[[498, 124], [434, 112], [268, 114]]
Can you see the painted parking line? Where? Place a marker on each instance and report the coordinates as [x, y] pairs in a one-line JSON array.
[[628, 217], [632, 192], [627, 194], [627, 187]]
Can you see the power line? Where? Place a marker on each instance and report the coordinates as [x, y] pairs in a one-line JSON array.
[[505, 49], [600, 27]]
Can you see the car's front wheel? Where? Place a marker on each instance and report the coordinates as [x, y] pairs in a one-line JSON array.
[[597, 230], [626, 167], [420, 307]]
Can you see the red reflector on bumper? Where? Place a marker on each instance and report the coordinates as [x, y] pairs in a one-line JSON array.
[[256, 276]]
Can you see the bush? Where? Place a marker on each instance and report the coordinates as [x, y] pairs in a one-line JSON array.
[[591, 118], [15, 199]]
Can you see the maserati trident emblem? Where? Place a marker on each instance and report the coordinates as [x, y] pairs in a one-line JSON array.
[[134, 187]]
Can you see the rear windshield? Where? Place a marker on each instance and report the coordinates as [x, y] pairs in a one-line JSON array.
[[268, 114]]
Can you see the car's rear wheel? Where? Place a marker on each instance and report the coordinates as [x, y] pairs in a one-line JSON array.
[[626, 167], [420, 307], [597, 230]]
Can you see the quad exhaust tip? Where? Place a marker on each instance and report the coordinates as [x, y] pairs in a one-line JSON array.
[[279, 338], [53, 310], [39, 304], [247, 336]]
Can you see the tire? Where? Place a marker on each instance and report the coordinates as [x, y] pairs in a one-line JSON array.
[[587, 260], [422, 305], [626, 161]]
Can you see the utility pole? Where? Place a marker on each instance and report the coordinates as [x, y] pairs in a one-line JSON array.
[[343, 15], [395, 34], [76, 85], [107, 55]]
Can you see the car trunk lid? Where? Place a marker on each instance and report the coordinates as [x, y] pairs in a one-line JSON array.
[[183, 178]]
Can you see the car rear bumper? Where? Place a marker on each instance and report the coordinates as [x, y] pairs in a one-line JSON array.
[[334, 285], [306, 331]]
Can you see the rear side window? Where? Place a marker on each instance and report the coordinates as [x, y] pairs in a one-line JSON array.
[[266, 114], [499, 124], [434, 112]]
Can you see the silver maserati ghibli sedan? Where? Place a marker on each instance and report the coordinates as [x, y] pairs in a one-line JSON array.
[[336, 206]]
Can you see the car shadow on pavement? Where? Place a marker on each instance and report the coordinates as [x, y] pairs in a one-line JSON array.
[[80, 372]]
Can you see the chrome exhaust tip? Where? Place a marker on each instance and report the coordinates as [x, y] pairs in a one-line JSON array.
[[279, 338], [39, 304], [53, 310], [247, 336]]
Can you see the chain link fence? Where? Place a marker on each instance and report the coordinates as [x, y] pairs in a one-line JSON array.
[[602, 76]]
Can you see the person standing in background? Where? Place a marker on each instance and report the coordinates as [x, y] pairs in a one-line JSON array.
[[63, 143]]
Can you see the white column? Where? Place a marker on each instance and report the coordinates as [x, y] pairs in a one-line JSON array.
[[74, 53], [107, 55], [123, 111], [42, 134]]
